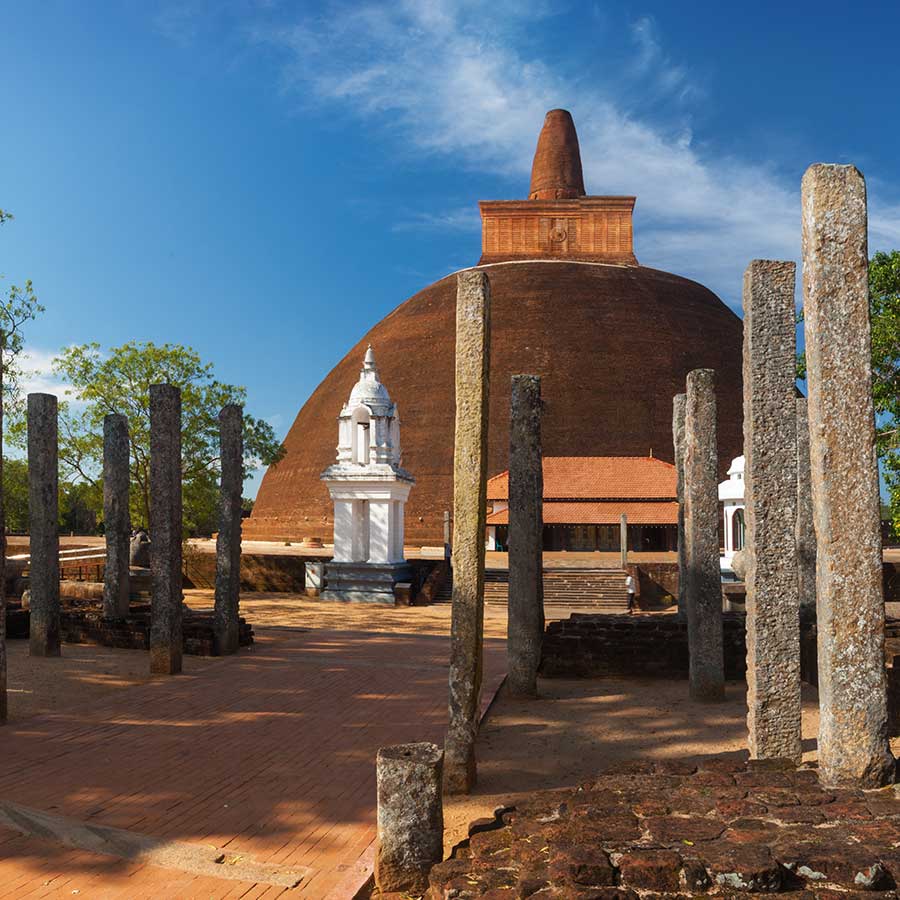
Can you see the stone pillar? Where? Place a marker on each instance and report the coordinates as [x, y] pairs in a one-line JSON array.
[[165, 529], [446, 534], [703, 585], [410, 817], [623, 540], [228, 541], [43, 514], [473, 330], [679, 402], [525, 630], [853, 744], [770, 501], [805, 531], [116, 518]]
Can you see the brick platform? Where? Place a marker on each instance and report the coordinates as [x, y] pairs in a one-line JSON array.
[[670, 829], [267, 757]]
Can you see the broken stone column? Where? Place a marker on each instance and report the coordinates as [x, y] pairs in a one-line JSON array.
[[43, 515], [473, 331], [623, 540], [770, 493], [228, 541], [853, 743], [410, 817], [165, 529], [703, 587], [116, 518], [679, 402], [805, 531], [525, 630]]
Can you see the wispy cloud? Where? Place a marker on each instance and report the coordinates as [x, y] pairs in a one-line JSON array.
[[461, 218], [470, 81], [38, 376]]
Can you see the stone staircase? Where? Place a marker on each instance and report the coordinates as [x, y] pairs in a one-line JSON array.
[[580, 590]]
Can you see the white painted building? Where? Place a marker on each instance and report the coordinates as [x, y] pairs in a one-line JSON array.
[[731, 496], [369, 488]]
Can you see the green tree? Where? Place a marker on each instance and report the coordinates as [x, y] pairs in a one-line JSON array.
[[15, 495], [884, 313], [119, 382]]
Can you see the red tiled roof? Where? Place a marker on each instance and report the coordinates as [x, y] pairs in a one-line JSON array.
[[598, 478], [594, 513]]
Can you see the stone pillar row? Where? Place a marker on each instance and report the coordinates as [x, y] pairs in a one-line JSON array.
[[165, 522]]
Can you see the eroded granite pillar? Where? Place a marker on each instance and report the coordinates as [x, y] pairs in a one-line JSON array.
[[228, 541], [43, 515], [770, 496], [410, 817], [165, 529], [473, 330], [679, 402], [805, 531], [703, 587], [853, 743], [116, 518], [525, 629], [623, 540]]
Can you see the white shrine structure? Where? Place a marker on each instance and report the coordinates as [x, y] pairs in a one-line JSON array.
[[731, 496], [369, 488]]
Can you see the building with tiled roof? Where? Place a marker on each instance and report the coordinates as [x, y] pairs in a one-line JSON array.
[[585, 498]]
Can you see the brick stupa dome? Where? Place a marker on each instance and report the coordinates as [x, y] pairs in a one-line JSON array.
[[612, 341]]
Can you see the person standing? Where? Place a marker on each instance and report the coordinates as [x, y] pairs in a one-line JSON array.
[[629, 588]]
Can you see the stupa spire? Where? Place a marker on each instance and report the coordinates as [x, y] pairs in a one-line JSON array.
[[556, 171], [369, 361]]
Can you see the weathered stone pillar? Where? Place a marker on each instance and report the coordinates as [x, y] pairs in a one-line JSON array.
[[473, 335], [116, 518], [623, 540], [853, 744], [165, 529], [410, 817], [679, 402], [770, 495], [525, 629], [228, 541], [805, 530], [43, 514], [703, 587], [446, 534]]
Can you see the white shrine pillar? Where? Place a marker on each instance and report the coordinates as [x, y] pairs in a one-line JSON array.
[[369, 488]]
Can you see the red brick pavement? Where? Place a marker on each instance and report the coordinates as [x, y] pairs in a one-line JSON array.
[[269, 754]]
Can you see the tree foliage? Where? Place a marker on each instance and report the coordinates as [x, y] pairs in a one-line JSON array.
[[119, 382], [18, 305], [884, 314]]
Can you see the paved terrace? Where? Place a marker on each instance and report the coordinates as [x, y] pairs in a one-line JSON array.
[[261, 760]]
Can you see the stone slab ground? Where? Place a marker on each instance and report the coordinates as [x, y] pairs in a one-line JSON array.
[[644, 829], [263, 759]]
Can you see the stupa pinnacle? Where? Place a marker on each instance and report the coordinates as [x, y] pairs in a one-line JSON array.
[[556, 171]]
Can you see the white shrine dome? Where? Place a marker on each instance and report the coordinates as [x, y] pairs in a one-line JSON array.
[[369, 391], [733, 487]]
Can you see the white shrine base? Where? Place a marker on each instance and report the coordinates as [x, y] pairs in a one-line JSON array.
[[357, 582]]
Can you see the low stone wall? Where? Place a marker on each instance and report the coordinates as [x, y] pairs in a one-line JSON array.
[[86, 625], [589, 646], [592, 646]]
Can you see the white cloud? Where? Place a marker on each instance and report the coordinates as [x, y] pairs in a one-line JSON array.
[[470, 81], [38, 376]]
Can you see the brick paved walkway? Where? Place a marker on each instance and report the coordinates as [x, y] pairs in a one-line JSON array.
[[268, 757]]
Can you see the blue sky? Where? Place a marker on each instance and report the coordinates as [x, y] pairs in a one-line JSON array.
[[265, 180]]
